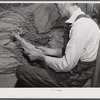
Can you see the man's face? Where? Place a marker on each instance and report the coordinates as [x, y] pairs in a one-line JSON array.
[[64, 9], [60, 9]]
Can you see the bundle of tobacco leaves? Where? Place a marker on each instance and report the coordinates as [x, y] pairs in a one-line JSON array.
[[11, 21], [25, 24]]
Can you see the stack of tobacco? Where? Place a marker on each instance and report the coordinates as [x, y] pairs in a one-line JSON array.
[[13, 57]]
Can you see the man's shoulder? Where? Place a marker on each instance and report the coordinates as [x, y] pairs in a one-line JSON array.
[[84, 22]]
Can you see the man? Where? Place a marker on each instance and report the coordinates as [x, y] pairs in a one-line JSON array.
[[77, 64]]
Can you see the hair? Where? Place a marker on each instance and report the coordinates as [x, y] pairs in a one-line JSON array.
[[74, 4], [67, 3]]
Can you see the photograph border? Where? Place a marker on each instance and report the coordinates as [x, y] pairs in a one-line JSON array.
[[49, 93]]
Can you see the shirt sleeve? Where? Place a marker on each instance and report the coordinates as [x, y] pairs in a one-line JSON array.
[[73, 52]]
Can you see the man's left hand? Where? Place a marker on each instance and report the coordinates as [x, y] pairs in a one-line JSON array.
[[35, 54]]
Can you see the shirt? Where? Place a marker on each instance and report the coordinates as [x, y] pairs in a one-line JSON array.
[[83, 44]]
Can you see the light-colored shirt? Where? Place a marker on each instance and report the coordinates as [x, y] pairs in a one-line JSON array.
[[83, 44]]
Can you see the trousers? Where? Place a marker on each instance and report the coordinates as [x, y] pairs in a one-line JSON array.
[[40, 76], [37, 76]]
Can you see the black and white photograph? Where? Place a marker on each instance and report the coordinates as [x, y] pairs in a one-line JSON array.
[[49, 45]]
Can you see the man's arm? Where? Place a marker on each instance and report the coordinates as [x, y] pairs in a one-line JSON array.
[[56, 52], [74, 49], [72, 55], [73, 52]]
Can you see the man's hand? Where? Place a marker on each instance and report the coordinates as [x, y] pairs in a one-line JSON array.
[[29, 49], [36, 54]]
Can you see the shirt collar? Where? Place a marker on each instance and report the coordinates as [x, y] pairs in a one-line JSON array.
[[75, 15]]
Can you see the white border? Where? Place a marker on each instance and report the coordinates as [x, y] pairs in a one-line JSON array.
[[50, 1], [49, 92]]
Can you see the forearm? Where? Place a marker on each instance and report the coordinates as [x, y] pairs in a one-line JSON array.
[[54, 52], [57, 64]]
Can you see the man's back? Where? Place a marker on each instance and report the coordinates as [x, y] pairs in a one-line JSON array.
[[90, 33]]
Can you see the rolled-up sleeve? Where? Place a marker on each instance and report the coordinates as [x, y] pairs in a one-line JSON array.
[[73, 52]]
